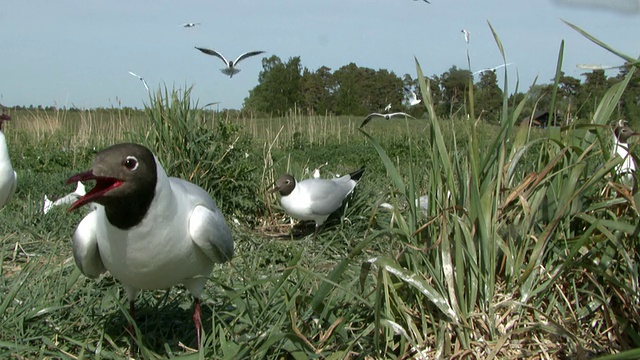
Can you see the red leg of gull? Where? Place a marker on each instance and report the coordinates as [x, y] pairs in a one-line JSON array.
[[132, 331], [197, 319]]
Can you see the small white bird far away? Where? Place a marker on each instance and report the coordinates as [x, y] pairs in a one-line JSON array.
[[387, 108], [189, 25], [141, 79], [384, 116], [491, 69], [467, 34], [411, 97], [70, 198]]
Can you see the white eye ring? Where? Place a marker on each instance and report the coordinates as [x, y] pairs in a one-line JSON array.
[[131, 163]]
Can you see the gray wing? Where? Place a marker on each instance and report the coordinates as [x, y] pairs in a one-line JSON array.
[[85, 247], [246, 55], [327, 195], [401, 114], [210, 232], [213, 53]]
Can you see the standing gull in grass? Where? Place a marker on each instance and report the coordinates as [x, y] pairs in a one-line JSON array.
[[387, 108], [230, 68], [8, 177], [141, 79], [385, 116], [150, 231], [315, 199], [625, 170], [411, 97]]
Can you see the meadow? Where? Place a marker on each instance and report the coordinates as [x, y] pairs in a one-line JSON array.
[[528, 248]]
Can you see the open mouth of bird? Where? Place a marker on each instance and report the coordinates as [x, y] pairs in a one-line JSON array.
[[103, 185]]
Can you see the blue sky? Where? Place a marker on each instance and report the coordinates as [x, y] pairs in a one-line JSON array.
[[78, 52]]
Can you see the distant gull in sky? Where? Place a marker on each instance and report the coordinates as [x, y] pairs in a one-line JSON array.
[[141, 79], [385, 116], [491, 69], [189, 25], [424, 1], [466, 34], [413, 99], [597, 67], [230, 68]]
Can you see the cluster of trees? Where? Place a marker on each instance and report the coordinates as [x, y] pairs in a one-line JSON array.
[[355, 90]]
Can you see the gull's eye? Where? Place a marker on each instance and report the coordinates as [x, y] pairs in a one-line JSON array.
[[131, 163]]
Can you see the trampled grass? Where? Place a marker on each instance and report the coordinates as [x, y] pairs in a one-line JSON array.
[[528, 247]]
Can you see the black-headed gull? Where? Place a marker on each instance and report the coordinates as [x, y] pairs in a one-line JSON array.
[[314, 199], [491, 69], [70, 198], [467, 34], [150, 231], [625, 170], [387, 108], [189, 25], [141, 79], [385, 116], [8, 177], [411, 96], [230, 68]]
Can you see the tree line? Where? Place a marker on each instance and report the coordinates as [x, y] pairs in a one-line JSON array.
[[356, 90]]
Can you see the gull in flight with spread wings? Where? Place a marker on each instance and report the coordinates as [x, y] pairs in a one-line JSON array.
[[491, 69], [230, 68], [385, 116], [189, 25], [141, 79]]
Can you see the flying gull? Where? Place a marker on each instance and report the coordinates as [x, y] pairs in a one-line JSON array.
[[230, 68]]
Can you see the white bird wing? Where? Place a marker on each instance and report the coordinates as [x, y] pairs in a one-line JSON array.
[[400, 114], [145, 84], [210, 232], [326, 196], [47, 204], [214, 53], [134, 74], [246, 55], [85, 247]]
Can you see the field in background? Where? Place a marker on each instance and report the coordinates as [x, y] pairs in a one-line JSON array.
[[525, 250]]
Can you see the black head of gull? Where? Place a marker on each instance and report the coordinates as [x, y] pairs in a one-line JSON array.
[[624, 132], [126, 177], [284, 185]]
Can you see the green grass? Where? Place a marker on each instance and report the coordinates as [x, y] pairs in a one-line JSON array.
[[528, 249]]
